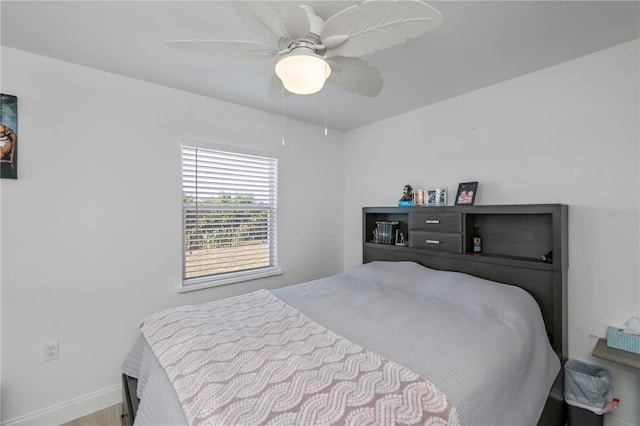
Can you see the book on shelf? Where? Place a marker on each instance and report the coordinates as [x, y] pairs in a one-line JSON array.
[[385, 232]]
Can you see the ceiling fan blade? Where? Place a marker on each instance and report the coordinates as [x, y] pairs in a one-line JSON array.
[[222, 48], [355, 75], [297, 25], [275, 89], [272, 14], [377, 25]]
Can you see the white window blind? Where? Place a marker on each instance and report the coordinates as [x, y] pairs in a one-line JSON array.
[[229, 214]]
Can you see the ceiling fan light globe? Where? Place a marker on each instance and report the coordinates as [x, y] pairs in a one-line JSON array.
[[303, 74]]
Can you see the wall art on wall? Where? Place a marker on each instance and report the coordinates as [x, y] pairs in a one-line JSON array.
[[466, 193], [8, 136], [437, 196]]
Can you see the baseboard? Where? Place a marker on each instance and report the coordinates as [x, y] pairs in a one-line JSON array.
[[70, 410], [612, 420]]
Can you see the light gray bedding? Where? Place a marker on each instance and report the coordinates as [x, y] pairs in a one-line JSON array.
[[483, 343]]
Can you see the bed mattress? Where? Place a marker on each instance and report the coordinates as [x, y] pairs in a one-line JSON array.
[[482, 343]]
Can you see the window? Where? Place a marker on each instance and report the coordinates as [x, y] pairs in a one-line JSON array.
[[229, 216]]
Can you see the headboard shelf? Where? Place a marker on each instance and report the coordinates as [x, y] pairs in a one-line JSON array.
[[501, 259], [506, 259]]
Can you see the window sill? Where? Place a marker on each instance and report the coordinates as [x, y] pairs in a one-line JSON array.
[[208, 282]]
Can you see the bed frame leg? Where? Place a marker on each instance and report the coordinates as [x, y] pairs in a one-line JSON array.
[[130, 399]]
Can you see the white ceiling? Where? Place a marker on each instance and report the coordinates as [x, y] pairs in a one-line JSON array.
[[478, 43]]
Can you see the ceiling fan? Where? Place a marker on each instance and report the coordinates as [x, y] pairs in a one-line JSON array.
[[312, 50]]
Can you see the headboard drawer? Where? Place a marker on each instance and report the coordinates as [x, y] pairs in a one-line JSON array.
[[434, 221], [440, 241]]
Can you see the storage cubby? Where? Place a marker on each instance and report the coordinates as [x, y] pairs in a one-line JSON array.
[[518, 236], [376, 215]]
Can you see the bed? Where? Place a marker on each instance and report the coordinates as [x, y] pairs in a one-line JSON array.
[[479, 349]]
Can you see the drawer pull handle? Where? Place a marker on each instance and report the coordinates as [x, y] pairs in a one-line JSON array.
[[431, 221], [432, 242]]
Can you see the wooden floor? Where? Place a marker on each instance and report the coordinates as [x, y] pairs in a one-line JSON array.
[[107, 417]]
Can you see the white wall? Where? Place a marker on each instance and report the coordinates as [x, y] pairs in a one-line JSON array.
[[567, 134], [91, 234]]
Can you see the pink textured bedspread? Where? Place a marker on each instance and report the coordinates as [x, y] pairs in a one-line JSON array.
[[253, 359]]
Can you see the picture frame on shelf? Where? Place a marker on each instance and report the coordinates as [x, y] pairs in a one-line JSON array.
[[419, 197], [437, 196], [466, 195]]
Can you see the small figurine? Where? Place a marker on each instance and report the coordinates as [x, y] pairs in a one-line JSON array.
[[400, 241], [407, 193]]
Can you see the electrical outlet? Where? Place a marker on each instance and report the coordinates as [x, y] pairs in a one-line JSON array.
[[51, 351]]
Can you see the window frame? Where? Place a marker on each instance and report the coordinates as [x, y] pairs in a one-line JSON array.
[[202, 282]]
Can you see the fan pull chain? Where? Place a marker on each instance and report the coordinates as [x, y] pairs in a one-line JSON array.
[[325, 110]]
